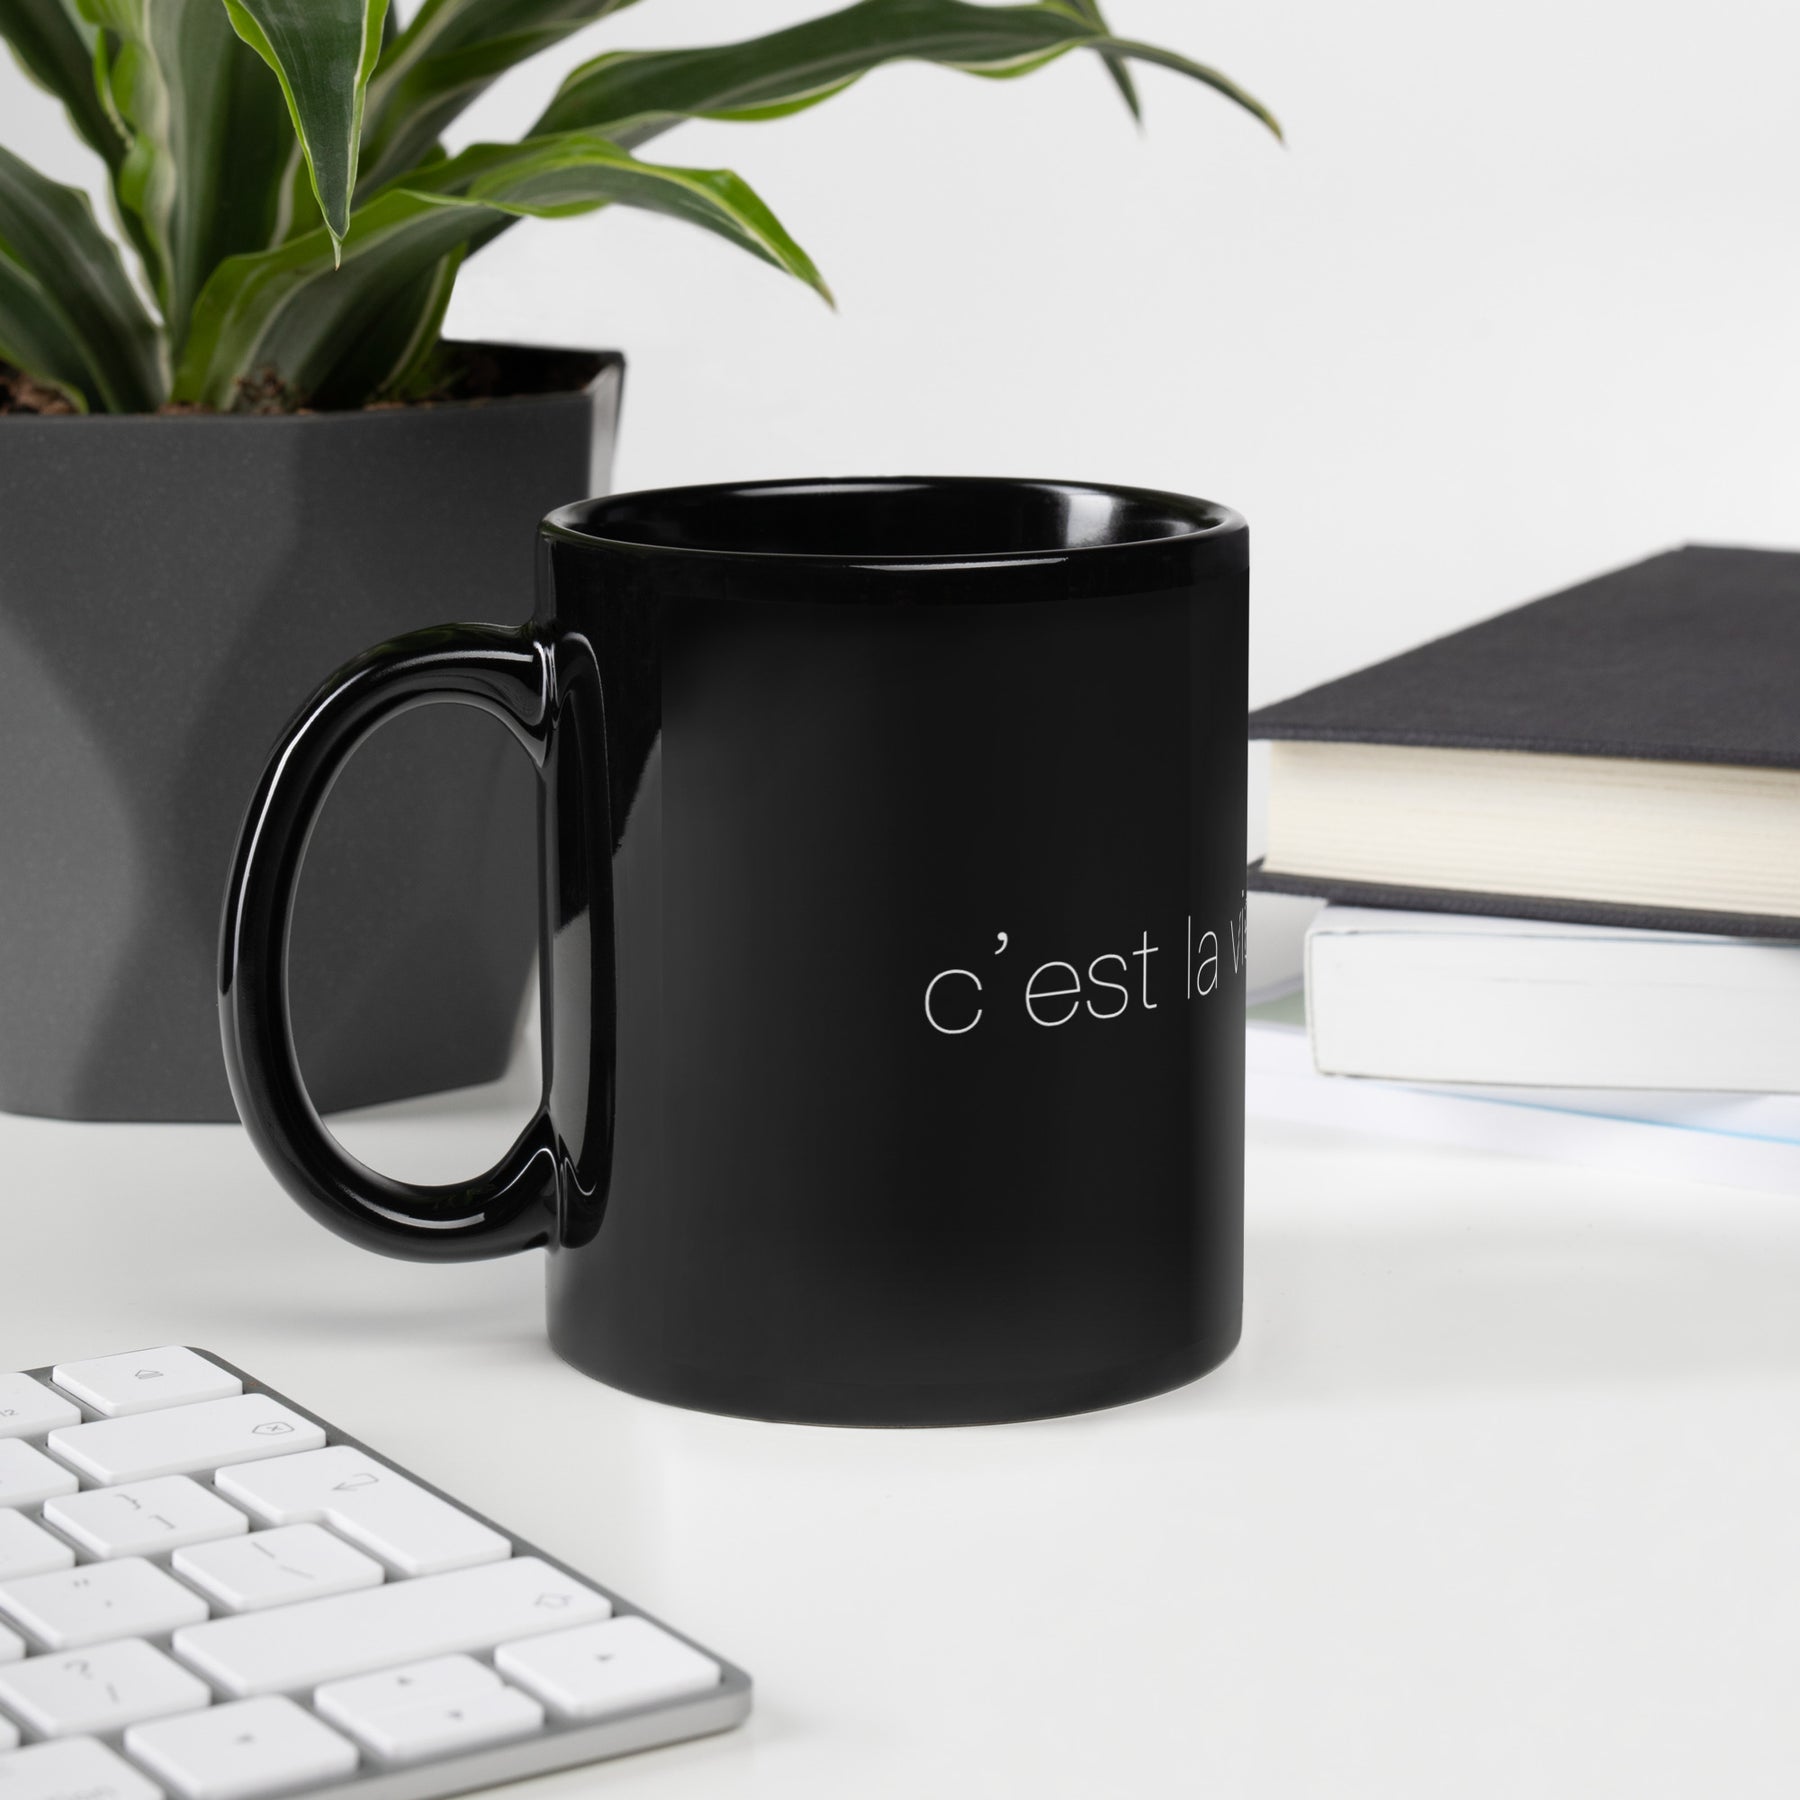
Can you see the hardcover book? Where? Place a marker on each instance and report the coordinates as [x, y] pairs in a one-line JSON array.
[[1449, 997], [1623, 753]]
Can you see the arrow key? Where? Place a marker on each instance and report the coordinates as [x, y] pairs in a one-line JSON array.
[[599, 1669], [428, 1709], [436, 1682], [414, 1733]]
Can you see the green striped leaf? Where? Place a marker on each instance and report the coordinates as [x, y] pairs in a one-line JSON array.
[[286, 317], [634, 95], [580, 171], [294, 318], [450, 52], [323, 53], [56, 47], [34, 337], [1116, 66], [402, 346], [70, 316], [204, 177]]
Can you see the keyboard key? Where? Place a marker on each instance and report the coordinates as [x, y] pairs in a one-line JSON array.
[[601, 1669], [274, 1568], [237, 1751], [433, 1683], [407, 1526], [411, 1734], [97, 1601], [72, 1769], [102, 1689], [28, 1549], [429, 1709], [183, 1440], [29, 1409], [205, 1594], [403, 1621], [28, 1476], [142, 1380], [145, 1517]]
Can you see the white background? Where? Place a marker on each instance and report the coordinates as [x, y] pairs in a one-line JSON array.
[[1497, 1497], [1520, 300]]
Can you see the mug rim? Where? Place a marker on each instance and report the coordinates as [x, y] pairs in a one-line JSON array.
[[1211, 522]]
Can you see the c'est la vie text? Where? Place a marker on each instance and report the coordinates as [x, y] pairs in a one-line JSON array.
[[1108, 986]]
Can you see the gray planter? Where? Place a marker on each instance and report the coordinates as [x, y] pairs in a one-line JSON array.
[[170, 590]]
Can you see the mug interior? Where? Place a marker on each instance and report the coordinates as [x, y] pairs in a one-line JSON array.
[[889, 520]]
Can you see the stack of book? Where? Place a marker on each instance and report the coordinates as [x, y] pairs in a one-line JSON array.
[[1561, 851]]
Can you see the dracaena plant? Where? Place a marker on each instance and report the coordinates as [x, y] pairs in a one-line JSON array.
[[278, 171]]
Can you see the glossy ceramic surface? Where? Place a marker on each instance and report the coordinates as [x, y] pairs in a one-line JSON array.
[[892, 861]]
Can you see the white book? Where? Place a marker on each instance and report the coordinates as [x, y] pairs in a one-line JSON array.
[[1732, 1140], [1445, 997]]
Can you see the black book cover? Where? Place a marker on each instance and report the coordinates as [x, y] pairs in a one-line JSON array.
[[1691, 656]]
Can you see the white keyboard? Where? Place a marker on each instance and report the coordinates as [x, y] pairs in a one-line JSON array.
[[208, 1593]]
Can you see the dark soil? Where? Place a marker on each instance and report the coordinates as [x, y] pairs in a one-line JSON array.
[[20, 394], [465, 372], [503, 371]]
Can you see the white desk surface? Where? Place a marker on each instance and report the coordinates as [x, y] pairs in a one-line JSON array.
[[1500, 1496]]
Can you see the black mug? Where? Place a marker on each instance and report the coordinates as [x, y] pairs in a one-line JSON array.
[[892, 857]]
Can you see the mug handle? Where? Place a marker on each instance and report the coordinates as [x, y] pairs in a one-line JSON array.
[[509, 674]]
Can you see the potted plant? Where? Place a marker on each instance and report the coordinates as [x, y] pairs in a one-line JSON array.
[[223, 477]]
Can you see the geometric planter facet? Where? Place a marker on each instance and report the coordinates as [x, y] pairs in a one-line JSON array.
[[171, 589]]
